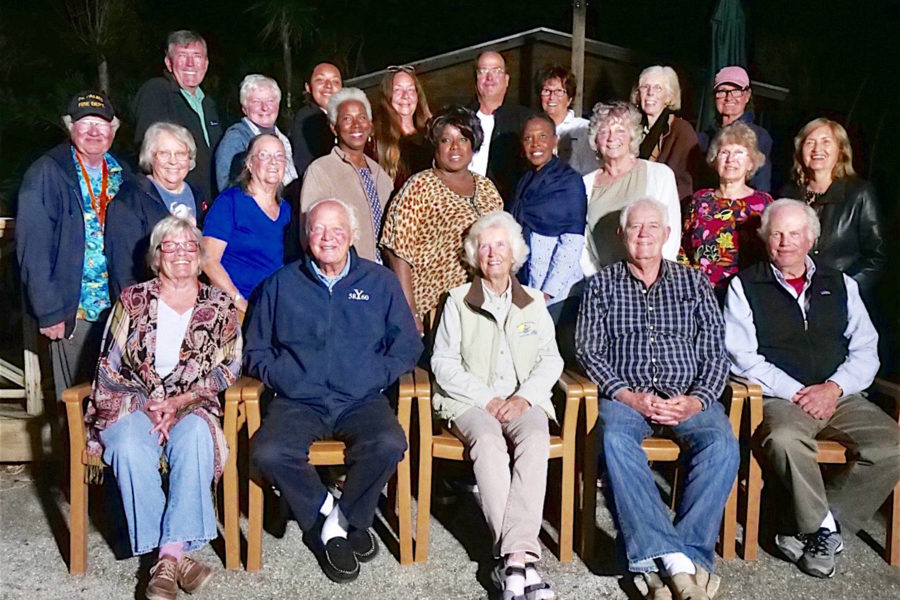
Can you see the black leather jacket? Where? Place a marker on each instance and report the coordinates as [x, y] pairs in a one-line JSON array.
[[852, 231]]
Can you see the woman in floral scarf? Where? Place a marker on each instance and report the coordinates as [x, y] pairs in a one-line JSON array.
[[171, 345]]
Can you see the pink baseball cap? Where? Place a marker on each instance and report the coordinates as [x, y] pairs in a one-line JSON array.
[[734, 75]]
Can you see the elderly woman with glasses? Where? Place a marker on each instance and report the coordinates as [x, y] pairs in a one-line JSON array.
[[668, 138], [720, 233], [616, 134], [168, 153], [852, 238], [400, 117], [495, 361], [172, 344], [347, 173], [244, 231], [260, 97]]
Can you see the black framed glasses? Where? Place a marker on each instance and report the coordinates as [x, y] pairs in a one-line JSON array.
[[737, 93]]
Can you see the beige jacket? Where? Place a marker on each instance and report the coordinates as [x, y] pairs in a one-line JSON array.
[[334, 176]]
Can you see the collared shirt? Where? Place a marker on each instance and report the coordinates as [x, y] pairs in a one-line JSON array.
[[853, 375], [195, 101], [479, 162], [331, 281], [666, 339]]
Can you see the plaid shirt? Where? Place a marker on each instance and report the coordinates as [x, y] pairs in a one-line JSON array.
[[667, 339]]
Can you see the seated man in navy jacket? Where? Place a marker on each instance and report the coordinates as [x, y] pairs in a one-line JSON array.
[[328, 334], [802, 331]]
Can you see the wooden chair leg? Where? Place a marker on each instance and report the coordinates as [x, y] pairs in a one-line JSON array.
[[752, 492], [567, 504], [230, 482], [254, 501], [892, 545], [728, 530], [404, 510], [589, 497], [78, 516]]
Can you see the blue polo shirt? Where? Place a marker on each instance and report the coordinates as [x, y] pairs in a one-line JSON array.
[[255, 243]]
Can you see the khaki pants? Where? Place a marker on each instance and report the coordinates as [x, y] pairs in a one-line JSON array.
[[512, 499], [788, 437]]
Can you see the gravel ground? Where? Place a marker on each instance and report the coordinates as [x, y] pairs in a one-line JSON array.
[[33, 517]]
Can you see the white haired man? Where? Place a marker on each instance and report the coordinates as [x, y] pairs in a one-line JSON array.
[[802, 331], [650, 336]]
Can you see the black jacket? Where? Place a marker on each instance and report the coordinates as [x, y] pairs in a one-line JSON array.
[[311, 137], [160, 99], [505, 161], [130, 218], [852, 238]]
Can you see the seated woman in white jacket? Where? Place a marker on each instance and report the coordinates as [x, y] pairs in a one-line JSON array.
[[615, 134], [495, 361]]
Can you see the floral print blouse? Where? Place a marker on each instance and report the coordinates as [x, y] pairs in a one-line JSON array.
[[720, 235]]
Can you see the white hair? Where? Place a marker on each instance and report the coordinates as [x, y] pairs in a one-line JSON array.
[[341, 96], [497, 218], [604, 113], [646, 200], [171, 226], [351, 214], [254, 82], [151, 139], [813, 226], [670, 78]]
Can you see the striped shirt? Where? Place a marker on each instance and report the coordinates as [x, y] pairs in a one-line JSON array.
[[667, 339]]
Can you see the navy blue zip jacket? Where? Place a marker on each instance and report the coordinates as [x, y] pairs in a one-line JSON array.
[[329, 348], [50, 237]]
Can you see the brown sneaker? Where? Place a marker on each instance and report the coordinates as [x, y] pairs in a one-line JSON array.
[[193, 575], [651, 586], [162, 584], [685, 587]]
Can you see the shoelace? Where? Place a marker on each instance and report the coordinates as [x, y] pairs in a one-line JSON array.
[[817, 543], [166, 568]]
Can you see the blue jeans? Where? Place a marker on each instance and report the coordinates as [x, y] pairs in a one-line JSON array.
[[710, 458], [187, 515]]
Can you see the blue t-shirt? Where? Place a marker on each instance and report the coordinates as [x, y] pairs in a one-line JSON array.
[[255, 247]]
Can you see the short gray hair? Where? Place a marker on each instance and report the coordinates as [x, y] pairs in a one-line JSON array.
[[254, 82], [68, 123], [603, 113], [659, 206], [813, 226], [670, 77], [151, 139], [341, 96], [497, 218], [173, 225], [351, 214], [183, 37]]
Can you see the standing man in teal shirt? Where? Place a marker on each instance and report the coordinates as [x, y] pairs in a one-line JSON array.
[[176, 97]]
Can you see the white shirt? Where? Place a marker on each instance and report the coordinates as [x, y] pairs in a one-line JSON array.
[[170, 331], [480, 159]]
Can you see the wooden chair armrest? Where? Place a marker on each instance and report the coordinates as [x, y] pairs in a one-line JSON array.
[[591, 400], [574, 391], [77, 394], [735, 405], [423, 400], [406, 391], [73, 398]]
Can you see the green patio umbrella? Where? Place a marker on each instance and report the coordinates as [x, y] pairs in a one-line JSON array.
[[729, 47]]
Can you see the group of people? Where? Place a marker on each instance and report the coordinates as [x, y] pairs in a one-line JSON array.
[[491, 242]]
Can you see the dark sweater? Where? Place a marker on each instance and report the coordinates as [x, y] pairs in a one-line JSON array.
[[329, 348], [808, 350], [160, 99], [311, 137]]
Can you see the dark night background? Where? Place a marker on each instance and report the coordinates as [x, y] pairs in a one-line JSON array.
[[839, 58]]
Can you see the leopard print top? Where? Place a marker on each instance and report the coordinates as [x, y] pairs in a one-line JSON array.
[[425, 226]]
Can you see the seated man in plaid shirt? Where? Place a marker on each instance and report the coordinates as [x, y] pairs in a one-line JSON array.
[[650, 335]]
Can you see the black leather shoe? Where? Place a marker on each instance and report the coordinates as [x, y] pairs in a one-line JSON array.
[[338, 560], [364, 544]]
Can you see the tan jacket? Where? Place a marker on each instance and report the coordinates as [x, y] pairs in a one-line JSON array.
[[334, 176]]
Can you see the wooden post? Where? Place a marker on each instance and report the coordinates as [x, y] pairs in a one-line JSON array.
[[579, 14]]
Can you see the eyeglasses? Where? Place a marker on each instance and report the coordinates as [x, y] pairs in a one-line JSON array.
[[84, 126], [168, 156], [647, 88], [397, 68], [491, 70], [170, 247], [263, 102], [737, 93], [555, 93], [268, 157], [735, 154]]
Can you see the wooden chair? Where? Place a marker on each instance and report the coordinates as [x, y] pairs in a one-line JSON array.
[[74, 399], [657, 450], [829, 452], [447, 446], [325, 452]]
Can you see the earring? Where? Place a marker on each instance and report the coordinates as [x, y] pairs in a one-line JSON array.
[[335, 141]]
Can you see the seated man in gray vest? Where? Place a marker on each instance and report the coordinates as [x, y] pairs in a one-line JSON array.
[[802, 332]]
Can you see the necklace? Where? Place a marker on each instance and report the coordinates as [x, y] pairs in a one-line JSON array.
[[98, 203]]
